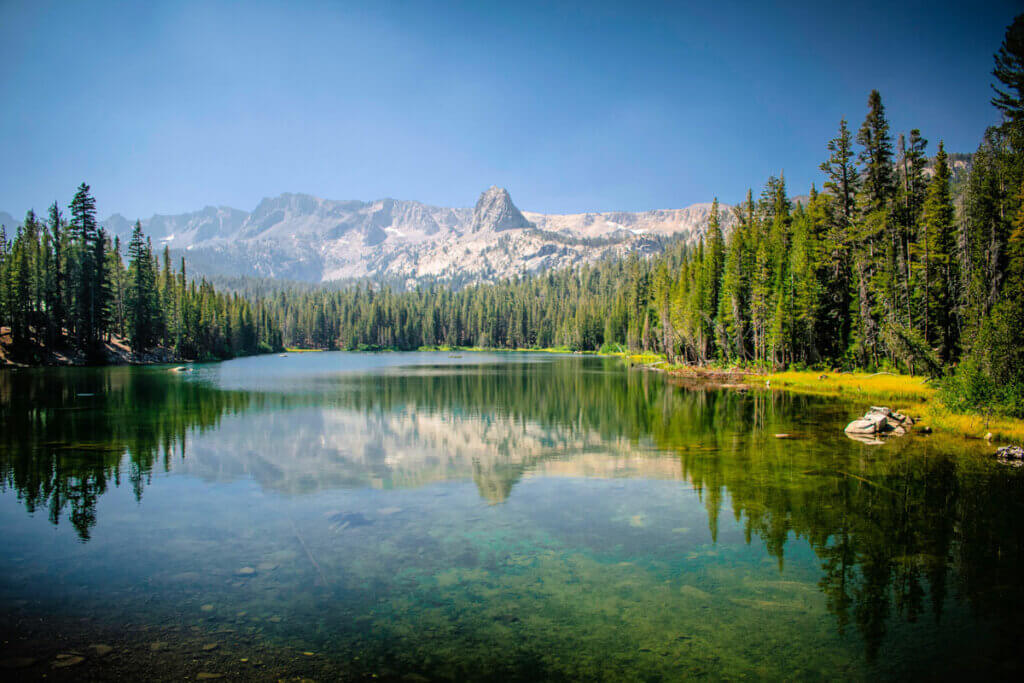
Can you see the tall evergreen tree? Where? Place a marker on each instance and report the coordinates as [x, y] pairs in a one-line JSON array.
[[939, 266], [1009, 71], [843, 183], [88, 270], [56, 291], [876, 155], [142, 300]]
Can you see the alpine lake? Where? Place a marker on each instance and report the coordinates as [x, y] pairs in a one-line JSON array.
[[487, 516]]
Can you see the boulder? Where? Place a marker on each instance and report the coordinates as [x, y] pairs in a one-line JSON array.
[[892, 424], [1008, 453], [879, 421], [862, 427]]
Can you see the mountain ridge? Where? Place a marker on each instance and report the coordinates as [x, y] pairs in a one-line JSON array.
[[299, 236]]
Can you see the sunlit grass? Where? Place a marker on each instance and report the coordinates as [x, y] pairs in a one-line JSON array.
[[297, 350], [880, 386], [909, 394], [490, 349], [1001, 428], [646, 358]]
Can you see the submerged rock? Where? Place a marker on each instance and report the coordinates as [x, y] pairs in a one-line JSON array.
[[348, 520], [101, 650], [65, 660], [1011, 455]]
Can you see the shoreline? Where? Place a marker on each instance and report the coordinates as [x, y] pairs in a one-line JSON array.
[[116, 353], [907, 393]]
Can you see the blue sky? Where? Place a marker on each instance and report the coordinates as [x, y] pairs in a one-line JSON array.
[[165, 107]]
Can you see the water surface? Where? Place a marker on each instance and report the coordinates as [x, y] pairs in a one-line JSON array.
[[489, 516]]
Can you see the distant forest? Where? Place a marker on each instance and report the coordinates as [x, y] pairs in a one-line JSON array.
[[894, 263]]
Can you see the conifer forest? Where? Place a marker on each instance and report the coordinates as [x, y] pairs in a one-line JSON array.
[[907, 258]]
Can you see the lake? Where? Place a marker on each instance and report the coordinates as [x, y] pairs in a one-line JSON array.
[[484, 516]]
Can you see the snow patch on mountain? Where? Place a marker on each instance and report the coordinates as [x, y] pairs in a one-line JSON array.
[[303, 237]]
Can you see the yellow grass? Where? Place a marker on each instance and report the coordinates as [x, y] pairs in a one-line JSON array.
[[977, 426], [854, 384], [908, 394]]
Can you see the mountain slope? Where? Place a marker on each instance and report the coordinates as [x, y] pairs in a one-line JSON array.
[[302, 237]]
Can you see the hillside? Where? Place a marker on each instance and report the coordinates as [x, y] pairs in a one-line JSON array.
[[306, 238]]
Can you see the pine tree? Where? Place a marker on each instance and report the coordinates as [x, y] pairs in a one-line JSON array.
[[843, 183], [711, 272], [912, 188], [731, 328], [876, 155], [1009, 70], [56, 290], [875, 260], [142, 297], [5, 289], [939, 263], [19, 283], [88, 269], [807, 290], [118, 288]]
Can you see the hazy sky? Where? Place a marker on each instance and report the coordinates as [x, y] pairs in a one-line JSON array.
[[165, 107]]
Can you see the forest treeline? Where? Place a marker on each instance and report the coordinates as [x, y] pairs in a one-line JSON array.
[[884, 267], [65, 288]]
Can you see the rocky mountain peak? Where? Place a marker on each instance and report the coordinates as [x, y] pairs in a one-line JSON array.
[[495, 211], [303, 237]]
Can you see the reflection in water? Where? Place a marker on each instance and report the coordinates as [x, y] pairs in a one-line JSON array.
[[901, 533]]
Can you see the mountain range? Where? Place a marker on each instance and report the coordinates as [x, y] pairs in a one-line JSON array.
[[306, 238]]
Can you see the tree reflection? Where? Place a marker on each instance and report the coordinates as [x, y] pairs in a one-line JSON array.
[[896, 528], [69, 434]]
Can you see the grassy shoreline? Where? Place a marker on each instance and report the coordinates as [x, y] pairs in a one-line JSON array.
[[913, 395]]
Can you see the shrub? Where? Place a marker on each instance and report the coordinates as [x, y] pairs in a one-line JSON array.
[[971, 389]]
